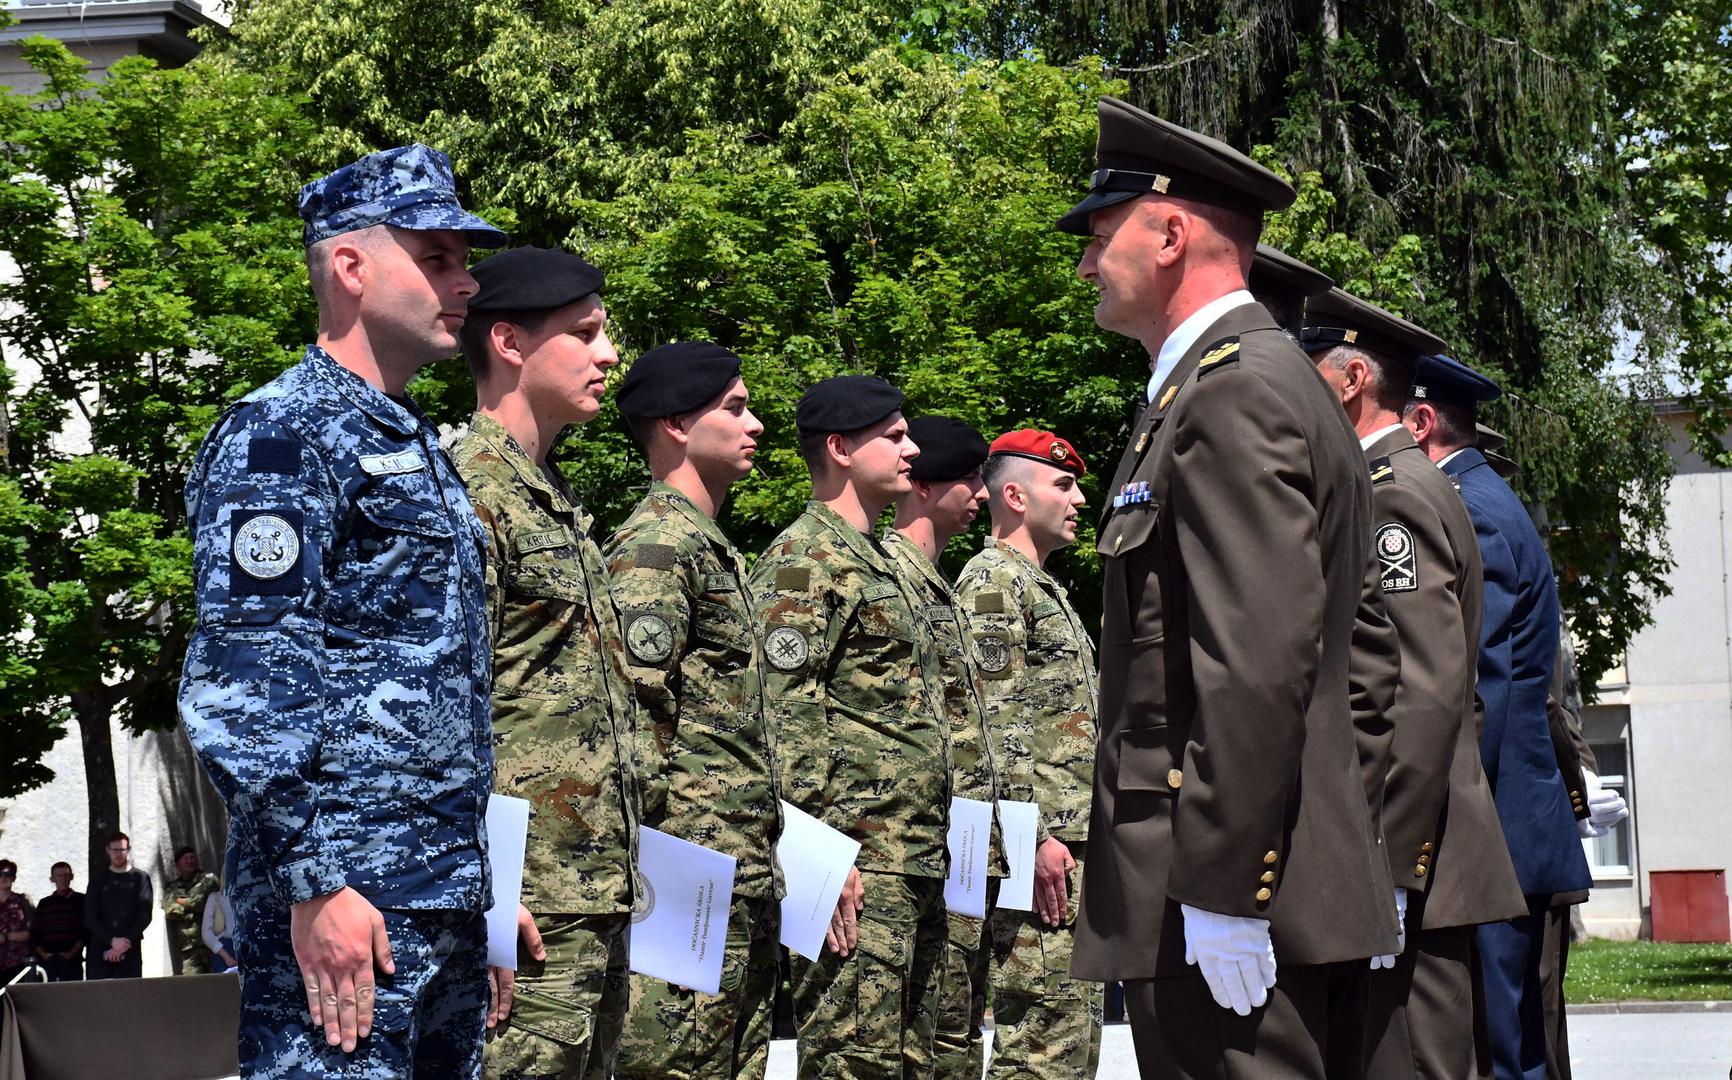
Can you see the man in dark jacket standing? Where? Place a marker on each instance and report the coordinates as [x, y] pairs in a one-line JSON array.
[[119, 905], [1518, 646]]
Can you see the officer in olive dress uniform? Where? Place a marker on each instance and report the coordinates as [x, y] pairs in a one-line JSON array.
[[1283, 284], [1234, 878], [1445, 847], [1518, 647]]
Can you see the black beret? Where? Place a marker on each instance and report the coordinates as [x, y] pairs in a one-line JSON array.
[[949, 449], [1452, 382], [1275, 271], [532, 279], [1340, 318], [1138, 153], [845, 403], [676, 378]]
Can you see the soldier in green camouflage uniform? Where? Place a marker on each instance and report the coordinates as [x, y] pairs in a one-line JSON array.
[[183, 911], [948, 492], [852, 680], [563, 716], [1038, 679], [705, 755]]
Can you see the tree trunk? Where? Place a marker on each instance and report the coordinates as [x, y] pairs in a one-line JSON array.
[[95, 710]]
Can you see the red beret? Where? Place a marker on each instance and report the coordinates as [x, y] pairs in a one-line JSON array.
[[1040, 446]]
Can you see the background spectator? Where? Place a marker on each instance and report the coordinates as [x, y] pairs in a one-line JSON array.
[[219, 931], [183, 907], [14, 924], [58, 934], [116, 911]]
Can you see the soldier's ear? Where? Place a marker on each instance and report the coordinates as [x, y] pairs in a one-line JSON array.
[[507, 340], [1015, 496]]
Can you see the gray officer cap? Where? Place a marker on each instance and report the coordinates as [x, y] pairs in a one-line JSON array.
[[410, 187]]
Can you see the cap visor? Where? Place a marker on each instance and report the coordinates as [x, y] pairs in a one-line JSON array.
[[436, 217], [1076, 219]]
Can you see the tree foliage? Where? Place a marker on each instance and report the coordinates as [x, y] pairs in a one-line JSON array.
[[157, 277]]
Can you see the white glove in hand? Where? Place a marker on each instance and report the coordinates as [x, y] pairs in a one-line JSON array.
[[1400, 932], [1605, 807], [1235, 956]]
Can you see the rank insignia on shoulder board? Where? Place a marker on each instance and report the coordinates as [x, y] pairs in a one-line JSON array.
[[1217, 354], [1396, 555]]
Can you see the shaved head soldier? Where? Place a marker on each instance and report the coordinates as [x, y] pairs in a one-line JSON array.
[[1038, 669], [1234, 879], [705, 749], [855, 689], [1445, 849], [946, 495]]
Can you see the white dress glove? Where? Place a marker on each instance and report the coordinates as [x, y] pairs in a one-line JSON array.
[[1605, 808], [1400, 932], [1235, 956]]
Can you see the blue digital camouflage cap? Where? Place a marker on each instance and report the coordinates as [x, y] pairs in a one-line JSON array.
[[410, 187]]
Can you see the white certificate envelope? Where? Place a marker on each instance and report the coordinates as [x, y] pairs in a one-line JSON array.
[[507, 832], [969, 838], [815, 861], [1018, 821], [681, 935]]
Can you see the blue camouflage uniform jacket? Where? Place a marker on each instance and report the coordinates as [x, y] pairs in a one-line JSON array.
[[336, 684]]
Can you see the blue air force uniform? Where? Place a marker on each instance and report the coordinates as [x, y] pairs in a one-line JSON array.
[[1518, 646], [336, 683]]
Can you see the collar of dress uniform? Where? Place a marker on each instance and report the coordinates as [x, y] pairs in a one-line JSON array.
[[1185, 335], [1366, 442], [403, 417]]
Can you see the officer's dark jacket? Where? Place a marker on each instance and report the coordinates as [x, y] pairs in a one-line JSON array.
[[1518, 645], [1227, 775]]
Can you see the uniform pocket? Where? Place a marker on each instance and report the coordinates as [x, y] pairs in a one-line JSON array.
[[393, 580], [1146, 762]]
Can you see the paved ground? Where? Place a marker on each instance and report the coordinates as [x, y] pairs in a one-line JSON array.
[[1621, 1046]]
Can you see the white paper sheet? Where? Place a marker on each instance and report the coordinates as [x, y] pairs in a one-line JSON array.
[[507, 832], [969, 838], [1018, 820], [683, 933], [815, 862]]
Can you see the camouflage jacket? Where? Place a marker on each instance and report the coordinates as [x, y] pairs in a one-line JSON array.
[[563, 719], [975, 776], [851, 675], [706, 758], [336, 681], [183, 908], [1037, 670]]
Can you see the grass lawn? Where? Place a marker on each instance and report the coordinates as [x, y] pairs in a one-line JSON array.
[[1647, 971]]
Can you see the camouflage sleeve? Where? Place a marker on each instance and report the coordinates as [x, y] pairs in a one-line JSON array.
[[252, 694], [994, 603], [794, 602], [653, 590], [493, 566]]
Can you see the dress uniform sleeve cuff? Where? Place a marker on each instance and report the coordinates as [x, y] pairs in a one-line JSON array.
[[306, 878]]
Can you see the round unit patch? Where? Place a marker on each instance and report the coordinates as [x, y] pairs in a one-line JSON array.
[[786, 648], [994, 654], [1394, 541], [650, 638], [266, 546]]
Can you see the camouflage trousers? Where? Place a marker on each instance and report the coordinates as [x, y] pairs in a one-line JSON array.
[[871, 1015], [1046, 1025], [427, 1017], [674, 1034], [569, 1010], [957, 1044], [189, 955]]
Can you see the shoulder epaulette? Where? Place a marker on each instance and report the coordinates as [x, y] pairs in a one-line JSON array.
[[1381, 470], [1225, 351]]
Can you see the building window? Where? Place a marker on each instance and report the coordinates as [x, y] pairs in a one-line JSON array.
[[1609, 855]]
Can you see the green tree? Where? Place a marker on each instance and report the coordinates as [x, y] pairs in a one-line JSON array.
[[158, 276]]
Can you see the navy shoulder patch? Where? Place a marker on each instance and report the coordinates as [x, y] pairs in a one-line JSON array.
[[274, 456], [1397, 557], [655, 557], [793, 578], [265, 552], [1381, 470], [1225, 351]]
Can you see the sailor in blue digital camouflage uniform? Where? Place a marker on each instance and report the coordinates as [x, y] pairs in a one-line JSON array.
[[336, 684]]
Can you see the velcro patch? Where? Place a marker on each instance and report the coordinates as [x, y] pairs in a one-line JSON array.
[[1396, 554], [721, 582], [989, 603], [403, 461], [1221, 352], [274, 456], [539, 541], [884, 590], [654, 557], [793, 578], [1381, 470], [265, 552], [1045, 608]]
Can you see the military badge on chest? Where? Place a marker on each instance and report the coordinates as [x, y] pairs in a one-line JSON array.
[[1135, 494], [1399, 561], [266, 553]]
